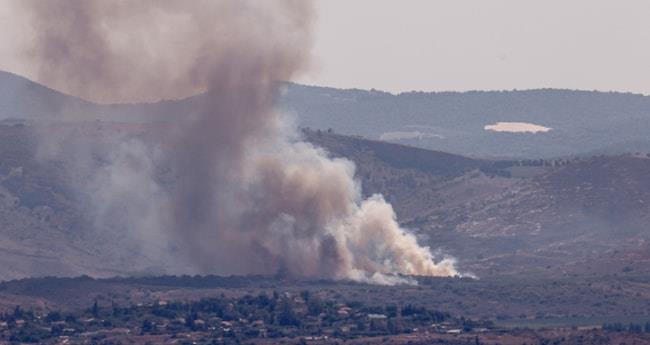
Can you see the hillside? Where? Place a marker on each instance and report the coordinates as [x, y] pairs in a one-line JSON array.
[[584, 215], [555, 217], [22, 99], [582, 122], [406, 176], [48, 226], [45, 228]]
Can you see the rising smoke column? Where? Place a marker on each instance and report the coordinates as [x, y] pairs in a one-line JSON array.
[[248, 196]]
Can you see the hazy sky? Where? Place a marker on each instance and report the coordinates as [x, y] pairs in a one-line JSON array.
[[463, 44], [483, 44]]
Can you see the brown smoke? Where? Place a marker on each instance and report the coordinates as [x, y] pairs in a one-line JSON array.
[[247, 196]]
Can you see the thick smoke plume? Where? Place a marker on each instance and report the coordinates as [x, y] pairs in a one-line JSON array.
[[243, 194]]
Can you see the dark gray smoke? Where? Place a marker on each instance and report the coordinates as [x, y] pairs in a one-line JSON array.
[[244, 194]]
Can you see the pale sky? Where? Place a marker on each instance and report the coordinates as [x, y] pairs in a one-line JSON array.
[[483, 44], [436, 45]]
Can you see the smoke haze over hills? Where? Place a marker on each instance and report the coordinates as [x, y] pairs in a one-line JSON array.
[[239, 193]]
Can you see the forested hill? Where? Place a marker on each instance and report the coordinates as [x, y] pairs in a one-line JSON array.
[[581, 121]]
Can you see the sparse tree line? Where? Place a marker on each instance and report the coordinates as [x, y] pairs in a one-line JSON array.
[[631, 327]]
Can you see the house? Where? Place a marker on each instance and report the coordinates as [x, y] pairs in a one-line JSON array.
[[200, 324], [69, 331]]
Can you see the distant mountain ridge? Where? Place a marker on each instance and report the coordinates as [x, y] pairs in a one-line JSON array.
[[582, 122], [22, 99]]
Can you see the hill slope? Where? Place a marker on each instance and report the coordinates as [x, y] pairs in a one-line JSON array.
[[582, 215], [581, 121], [585, 215]]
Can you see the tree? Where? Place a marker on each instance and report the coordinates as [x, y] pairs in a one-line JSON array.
[[361, 325], [393, 326], [95, 309], [315, 306], [635, 328], [287, 315], [53, 316], [305, 295], [377, 326], [147, 326], [18, 313]]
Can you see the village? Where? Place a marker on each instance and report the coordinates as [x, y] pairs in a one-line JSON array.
[[305, 316]]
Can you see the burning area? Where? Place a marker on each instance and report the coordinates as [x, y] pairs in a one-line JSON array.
[[247, 195]]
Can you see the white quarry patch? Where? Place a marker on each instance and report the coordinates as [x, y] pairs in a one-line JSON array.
[[517, 127]]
